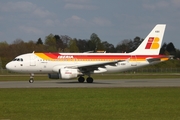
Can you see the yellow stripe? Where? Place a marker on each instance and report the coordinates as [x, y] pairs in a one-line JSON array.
[[43, 56], [164, 59]]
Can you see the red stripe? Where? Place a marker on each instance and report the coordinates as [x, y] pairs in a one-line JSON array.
[[52, 55], [85, 56], [148, 45]]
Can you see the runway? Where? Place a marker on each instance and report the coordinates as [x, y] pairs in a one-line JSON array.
[[96, 84]]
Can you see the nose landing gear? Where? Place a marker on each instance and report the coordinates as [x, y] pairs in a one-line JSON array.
[[31, 80]]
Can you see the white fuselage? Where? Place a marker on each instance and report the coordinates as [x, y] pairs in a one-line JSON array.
[[30, 63]]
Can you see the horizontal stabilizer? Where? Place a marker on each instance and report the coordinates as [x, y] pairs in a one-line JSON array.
[[153, 60]]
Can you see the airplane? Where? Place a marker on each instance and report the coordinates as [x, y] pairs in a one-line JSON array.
[[77, 65]]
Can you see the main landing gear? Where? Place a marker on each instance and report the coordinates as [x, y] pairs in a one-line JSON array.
[[88, 79], [31, 80]]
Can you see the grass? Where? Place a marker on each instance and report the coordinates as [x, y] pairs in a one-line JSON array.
[[25, 77], [90, 104]]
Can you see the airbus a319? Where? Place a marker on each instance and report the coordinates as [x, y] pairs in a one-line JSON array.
[[78, 65]]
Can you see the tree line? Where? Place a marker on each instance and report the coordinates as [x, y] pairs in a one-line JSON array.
[[64, 43]]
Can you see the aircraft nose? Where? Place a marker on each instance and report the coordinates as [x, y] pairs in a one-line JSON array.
[[9, 66]]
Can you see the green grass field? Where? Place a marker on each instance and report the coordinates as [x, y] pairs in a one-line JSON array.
[[25, 77], [90, 104]]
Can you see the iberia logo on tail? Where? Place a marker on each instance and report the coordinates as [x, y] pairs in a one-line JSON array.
[[153, 43]]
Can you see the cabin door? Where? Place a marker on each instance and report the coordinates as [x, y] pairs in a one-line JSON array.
[[32, 60]]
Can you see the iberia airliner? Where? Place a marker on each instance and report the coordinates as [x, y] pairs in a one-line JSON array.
[[78, 65]]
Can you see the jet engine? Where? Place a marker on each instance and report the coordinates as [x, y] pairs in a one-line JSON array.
[[65, 73]]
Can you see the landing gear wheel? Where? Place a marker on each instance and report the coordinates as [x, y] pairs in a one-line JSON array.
[[81, 79], [31, 80], [89, 80]]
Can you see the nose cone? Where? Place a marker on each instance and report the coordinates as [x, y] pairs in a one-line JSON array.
[[9, 66]]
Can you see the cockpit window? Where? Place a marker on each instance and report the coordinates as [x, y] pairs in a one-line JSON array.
[[15, 59], [18, 59]]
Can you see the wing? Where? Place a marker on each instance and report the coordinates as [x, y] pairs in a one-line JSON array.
[[86, 68]]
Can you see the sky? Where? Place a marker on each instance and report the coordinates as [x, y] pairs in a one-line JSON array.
[[112, 21]]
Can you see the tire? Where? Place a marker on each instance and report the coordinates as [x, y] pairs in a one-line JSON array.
[[81, 79], [89, 80], [31, 80]]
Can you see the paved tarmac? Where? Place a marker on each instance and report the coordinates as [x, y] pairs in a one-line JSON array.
[[96, 84]]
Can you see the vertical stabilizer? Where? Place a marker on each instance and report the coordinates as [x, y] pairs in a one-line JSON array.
[[152, 43]]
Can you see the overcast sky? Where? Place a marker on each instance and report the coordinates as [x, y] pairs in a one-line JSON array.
[[111, 20]]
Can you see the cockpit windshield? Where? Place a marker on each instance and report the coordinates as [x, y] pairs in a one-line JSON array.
[[18, 59]]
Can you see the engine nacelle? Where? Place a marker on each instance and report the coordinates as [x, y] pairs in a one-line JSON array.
[[68, 73], [65, 73], [53, 75]]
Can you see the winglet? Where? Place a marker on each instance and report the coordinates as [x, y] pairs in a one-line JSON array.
[[152, 43]]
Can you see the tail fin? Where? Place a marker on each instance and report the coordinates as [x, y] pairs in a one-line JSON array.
[[152, 43]]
